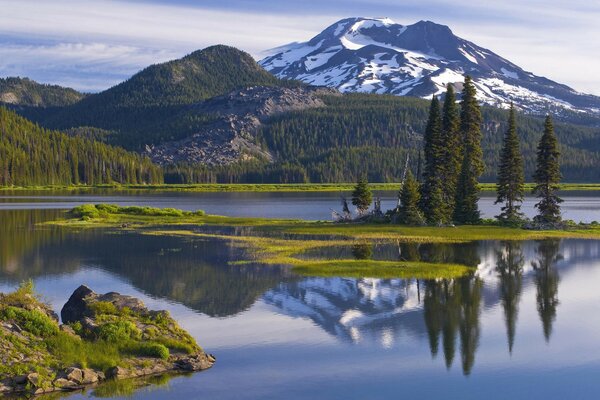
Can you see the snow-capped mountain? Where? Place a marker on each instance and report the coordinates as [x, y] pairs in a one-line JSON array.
[[376, 55]]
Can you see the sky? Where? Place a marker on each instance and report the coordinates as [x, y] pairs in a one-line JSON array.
[[91, 45]]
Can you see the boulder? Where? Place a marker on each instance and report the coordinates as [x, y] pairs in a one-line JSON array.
[[78, 308], [64, 384], [195, 362], [74, 374], [117, 373]]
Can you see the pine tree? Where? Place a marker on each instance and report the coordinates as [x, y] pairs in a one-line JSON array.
[[510, 187], [547, 176], [362, 196], [431, 201], [467, 191], [408, 212], [451, 151]]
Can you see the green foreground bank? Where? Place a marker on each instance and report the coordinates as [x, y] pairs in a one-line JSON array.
[[282, 241]]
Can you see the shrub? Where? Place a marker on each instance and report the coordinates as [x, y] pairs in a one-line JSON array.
[[117, 332], [32, 321], [85, 211], [104, 307], [147, 349]]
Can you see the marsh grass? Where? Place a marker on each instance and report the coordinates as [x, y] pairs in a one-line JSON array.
[[268, 245]]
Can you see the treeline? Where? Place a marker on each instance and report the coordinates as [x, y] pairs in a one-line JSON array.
[[359, 133], [387, 122], [31, 155]]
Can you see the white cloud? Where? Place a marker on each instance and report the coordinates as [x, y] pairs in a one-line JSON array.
[[117, 38]]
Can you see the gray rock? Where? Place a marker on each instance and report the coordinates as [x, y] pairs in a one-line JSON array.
[[117, 373], [78, 308], [231, 136], [74, 374]]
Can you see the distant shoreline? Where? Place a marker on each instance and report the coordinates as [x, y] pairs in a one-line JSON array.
[[263, 187]]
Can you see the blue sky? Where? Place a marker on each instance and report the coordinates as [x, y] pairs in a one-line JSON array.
[[93, 44]]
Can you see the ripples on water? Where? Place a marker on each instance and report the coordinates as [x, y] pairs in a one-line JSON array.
[[523, 325]]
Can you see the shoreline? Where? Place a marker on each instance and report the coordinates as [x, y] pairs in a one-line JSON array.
[[263, 187], [283, 241]]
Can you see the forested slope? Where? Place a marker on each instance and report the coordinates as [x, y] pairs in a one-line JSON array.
[[358, 133], [31, 155]]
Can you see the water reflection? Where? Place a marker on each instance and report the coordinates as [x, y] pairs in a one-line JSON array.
[[447, 315], [546, 282], [447, 312]]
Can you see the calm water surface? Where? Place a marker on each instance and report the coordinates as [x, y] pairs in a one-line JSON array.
[[523, 326], [578, 206]]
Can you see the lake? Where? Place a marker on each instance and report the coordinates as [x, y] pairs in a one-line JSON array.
[[578, 206], [523, 326]]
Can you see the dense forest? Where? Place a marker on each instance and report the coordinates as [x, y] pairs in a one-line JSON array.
[[25, 92], [352, 134], [30, 155], [362, 133]]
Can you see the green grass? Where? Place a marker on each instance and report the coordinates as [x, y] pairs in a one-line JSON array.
[[251, 187], [117, 340], [267, 248]]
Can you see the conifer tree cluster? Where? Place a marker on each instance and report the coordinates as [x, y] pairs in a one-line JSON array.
[[511, 182], [362, 196], [453, 159], [466, 210], [547, 176], [409, 212], [30, 155]]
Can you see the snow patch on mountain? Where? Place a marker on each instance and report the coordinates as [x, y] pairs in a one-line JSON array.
[[377, 55]]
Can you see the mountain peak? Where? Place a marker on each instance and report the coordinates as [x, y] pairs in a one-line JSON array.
[[377, 55]]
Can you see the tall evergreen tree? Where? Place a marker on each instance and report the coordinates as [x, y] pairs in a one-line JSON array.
[[547, 176], [362, 196], [511, 182], [451, 151], [408, 212], [431, 202], [466, 210]]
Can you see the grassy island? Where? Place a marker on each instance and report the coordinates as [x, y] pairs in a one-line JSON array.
[[282, 242], [102, 338]]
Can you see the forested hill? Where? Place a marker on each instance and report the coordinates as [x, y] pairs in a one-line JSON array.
[[162, 89], [30, 155], [363, 133], [25, 92]]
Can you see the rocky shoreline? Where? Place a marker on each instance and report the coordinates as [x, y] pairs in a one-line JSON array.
[[144, 342]]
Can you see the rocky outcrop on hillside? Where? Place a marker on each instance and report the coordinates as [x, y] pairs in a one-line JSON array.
[[238, 115], [103, 337]]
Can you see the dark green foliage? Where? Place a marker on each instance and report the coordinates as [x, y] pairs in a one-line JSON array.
[[408, 211], [30, 155], [547, 176], [510, 175], [362, 196], [451, 151], [88, 211], [25, 92], [467, 193], [154, 105], [32, 321], [358, 133], [431, 201]]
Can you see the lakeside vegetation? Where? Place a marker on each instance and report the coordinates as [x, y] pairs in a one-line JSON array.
[[283, 241], [40, 355], [268, 187]]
